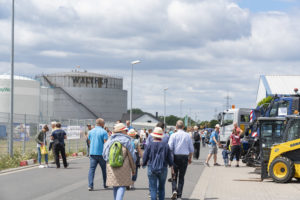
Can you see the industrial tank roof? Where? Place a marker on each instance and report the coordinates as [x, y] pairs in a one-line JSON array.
[[80, 74], [7, 76]]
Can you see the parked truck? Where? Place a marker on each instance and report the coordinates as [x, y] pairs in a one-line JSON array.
[[228, 117]]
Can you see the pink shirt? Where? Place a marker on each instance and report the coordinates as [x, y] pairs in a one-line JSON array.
[[236, 139]]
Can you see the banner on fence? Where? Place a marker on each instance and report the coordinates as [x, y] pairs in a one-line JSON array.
[[21, 132], [73, 132]]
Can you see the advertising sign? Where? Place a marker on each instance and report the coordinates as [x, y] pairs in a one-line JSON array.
[[73, 132]]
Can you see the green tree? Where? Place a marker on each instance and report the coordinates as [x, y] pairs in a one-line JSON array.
[[213, 123], [136, 111]]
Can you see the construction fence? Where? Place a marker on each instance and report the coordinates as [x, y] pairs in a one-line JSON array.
[[25, 128]]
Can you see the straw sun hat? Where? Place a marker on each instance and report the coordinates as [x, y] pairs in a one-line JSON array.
[[132, 132], [157, 133], [120, 127]]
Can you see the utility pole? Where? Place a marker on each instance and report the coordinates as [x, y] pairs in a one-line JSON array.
[[181, 101], [228, 98], [11, 135]]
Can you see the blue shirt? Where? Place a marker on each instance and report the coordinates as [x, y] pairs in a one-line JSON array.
[[97, 137], [213, 134], [181, 143], [59, 135]]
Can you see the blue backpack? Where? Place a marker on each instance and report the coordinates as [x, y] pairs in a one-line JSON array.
[[158, 162]]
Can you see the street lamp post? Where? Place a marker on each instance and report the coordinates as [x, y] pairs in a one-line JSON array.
[[181, 101], [165, 91], [132, 63], [11, 135]]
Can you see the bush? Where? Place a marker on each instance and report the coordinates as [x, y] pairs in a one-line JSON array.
[[266, 100], [11, 162]]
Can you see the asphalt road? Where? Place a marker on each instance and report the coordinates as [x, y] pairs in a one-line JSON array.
[[72, 183]]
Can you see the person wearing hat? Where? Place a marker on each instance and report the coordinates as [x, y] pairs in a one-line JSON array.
[[138, 153], [158, 156], [213, 149], [97, 137], [120, 177]]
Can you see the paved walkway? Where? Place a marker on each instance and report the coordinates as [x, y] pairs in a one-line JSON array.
[[241, 183]]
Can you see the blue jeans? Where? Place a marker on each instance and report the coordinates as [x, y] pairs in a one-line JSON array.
[[119, 192], [94, 161], [40, 156], [134, 177], [157, 183]]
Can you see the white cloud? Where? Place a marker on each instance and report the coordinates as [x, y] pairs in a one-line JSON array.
[[200, 49], [51, 53]]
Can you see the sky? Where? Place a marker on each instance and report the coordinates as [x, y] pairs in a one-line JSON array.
[[202, 50]]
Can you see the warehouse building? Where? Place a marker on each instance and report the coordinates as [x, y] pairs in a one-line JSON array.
[[270, 85]]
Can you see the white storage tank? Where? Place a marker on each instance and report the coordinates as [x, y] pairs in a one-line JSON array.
[[26, 95]]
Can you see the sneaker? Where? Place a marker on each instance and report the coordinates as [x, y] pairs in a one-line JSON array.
[[217, 164], [90, 188], [179, 198], [41, 166], [174, 195], [206, 164], [46, 166], [67, 165]]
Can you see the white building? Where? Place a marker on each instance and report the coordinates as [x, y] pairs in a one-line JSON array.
[[270, 85], [144, 120], [26, 95]]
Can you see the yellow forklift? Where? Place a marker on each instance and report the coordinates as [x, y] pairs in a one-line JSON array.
[[280, 148]]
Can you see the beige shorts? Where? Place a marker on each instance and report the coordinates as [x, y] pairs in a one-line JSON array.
[[212, 149]]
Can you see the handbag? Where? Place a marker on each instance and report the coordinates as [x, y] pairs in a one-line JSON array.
[[44, 150]]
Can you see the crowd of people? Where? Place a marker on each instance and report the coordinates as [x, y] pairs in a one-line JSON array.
[[121, 152], [120, 156]]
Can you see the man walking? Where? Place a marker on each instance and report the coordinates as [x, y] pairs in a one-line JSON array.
[[213, 149], [182, 148], [59, 136], [197, 140], [97, 137]]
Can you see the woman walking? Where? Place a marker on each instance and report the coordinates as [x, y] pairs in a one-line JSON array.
[[138, 153], [235, 143], [120, 161], [158, 156]]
